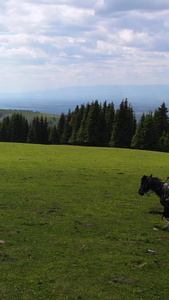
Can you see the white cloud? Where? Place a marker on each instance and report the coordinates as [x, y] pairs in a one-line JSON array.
[[67, 42]]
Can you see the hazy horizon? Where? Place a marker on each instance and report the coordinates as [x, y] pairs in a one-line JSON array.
[[141, 97]]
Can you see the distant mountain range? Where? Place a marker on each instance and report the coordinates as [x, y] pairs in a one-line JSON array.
[[142, 97]]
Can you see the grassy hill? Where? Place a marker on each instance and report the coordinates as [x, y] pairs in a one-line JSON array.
[[29, 115], [72, 225]]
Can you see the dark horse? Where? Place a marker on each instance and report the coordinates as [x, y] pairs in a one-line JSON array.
[[161, 189]]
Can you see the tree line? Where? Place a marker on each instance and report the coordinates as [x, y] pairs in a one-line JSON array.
[[93, 124]]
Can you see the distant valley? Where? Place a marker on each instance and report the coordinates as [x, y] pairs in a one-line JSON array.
[[29, 115], [143, 98]]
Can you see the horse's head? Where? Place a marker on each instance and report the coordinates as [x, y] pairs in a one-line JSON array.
[[145, 185]]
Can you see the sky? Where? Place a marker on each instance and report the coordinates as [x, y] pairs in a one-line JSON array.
[[51, 44]]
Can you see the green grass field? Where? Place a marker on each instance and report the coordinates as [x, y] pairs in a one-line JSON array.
[[72, 225]]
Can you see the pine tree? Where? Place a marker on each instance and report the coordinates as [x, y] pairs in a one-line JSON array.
[[75, 123], [31, 138], [138, 138], [123, 127], [150, 134], [161, 122], [25, 129], [93, 125], [53, 136], [146, 134], [67, 130], [18, 128], [108, 114], [161, 119], [81, 136], [44, 132], [61, 124], [164, 142], [38, 131], [4, 130]]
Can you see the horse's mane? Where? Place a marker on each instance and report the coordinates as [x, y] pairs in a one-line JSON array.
[[156, 185], [156, 180]]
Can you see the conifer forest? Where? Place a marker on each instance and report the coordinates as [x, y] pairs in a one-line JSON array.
[[94, 124]]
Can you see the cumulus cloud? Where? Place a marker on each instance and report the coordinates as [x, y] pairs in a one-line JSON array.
[[70, 42]]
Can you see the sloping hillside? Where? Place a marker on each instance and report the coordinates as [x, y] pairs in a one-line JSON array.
[[29, 115]]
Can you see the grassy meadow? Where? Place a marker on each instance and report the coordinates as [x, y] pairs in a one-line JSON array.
[[30, 115], [72, 225]]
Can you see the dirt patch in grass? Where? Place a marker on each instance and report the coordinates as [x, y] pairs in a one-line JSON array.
[[88, 224], [9, 232], [125, 280], [155, 212]]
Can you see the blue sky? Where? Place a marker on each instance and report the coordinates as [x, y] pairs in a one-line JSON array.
[[47, 44]]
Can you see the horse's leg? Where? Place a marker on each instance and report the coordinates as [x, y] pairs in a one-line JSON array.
[[166, 218]]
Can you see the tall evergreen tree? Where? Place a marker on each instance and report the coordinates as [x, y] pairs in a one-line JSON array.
[[146, 134], [31, 138], [38, 131], [150, 137], [25, 129], [18, 128], [5, 130], [102, 123], [123, 127], [44, 131], [61, 125], [164, 142], [161, 122], [67, 129], [108, 113], [93, 125], [75, 123], [81, 136], [161, 119], [138, 138], [53, 136]]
